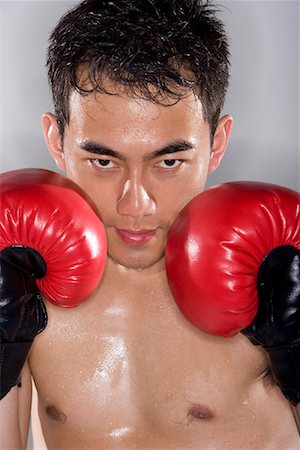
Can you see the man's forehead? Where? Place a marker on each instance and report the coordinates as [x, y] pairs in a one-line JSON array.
[[122, 99]]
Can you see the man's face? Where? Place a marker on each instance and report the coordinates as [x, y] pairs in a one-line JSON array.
[[140, 162]]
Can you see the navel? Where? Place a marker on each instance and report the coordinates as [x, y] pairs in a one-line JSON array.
[[55, 414], [200, 412]]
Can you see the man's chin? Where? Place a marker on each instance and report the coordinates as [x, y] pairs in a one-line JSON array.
[[137, 261]]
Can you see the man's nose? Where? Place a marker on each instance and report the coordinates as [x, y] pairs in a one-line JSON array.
[[135, 200]]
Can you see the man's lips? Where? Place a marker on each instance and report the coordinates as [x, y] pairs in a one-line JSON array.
[[137, 237]]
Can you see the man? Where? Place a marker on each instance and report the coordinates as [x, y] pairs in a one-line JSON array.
[[138, 87]]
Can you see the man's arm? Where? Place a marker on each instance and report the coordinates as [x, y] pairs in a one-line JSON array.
[[15, 414], [52, 246], [239, 250]]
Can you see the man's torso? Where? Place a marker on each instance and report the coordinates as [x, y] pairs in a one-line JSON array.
[[126, 370]]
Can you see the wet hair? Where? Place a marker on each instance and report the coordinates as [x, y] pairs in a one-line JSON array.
[[154, 48]]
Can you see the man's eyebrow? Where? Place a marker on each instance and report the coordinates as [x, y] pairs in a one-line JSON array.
[[102, 150], [174, 147]]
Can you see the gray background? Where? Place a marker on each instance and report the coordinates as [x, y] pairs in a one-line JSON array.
[[263, 97]]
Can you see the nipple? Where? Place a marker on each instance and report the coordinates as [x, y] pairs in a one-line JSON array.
[[56, 414], [200, 412]]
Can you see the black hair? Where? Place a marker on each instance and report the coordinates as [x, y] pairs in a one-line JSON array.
[[153, 48]]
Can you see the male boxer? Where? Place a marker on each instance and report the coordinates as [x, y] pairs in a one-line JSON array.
[[138, 87]]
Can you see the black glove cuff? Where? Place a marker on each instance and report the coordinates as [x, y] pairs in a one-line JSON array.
[[285, 365], [12, 359]]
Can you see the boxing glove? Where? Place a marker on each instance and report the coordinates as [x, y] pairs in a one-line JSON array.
[[52, 245], [232, 260]]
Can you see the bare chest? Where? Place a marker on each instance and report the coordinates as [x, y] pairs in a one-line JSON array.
[[137, 374]]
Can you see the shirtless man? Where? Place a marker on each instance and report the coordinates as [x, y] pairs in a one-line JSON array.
[[140, 133]]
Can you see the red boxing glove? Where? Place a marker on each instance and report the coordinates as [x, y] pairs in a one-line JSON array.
[[216, 246], [52, 243], [49, 213]]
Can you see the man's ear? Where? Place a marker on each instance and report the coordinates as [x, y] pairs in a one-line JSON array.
[[220, 142], [53, 140]]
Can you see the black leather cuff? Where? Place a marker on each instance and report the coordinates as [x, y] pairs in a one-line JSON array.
[[12, 359], [285, 365]]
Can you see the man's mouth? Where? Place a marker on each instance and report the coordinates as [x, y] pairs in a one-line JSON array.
[[136, 237]]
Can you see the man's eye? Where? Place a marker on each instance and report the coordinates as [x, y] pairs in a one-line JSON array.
[[107, 163], [169, 163]]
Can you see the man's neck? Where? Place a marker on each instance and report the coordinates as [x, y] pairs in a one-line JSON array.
[[157, 267]]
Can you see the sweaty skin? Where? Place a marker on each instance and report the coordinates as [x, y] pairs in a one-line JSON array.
[[125, 369]]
